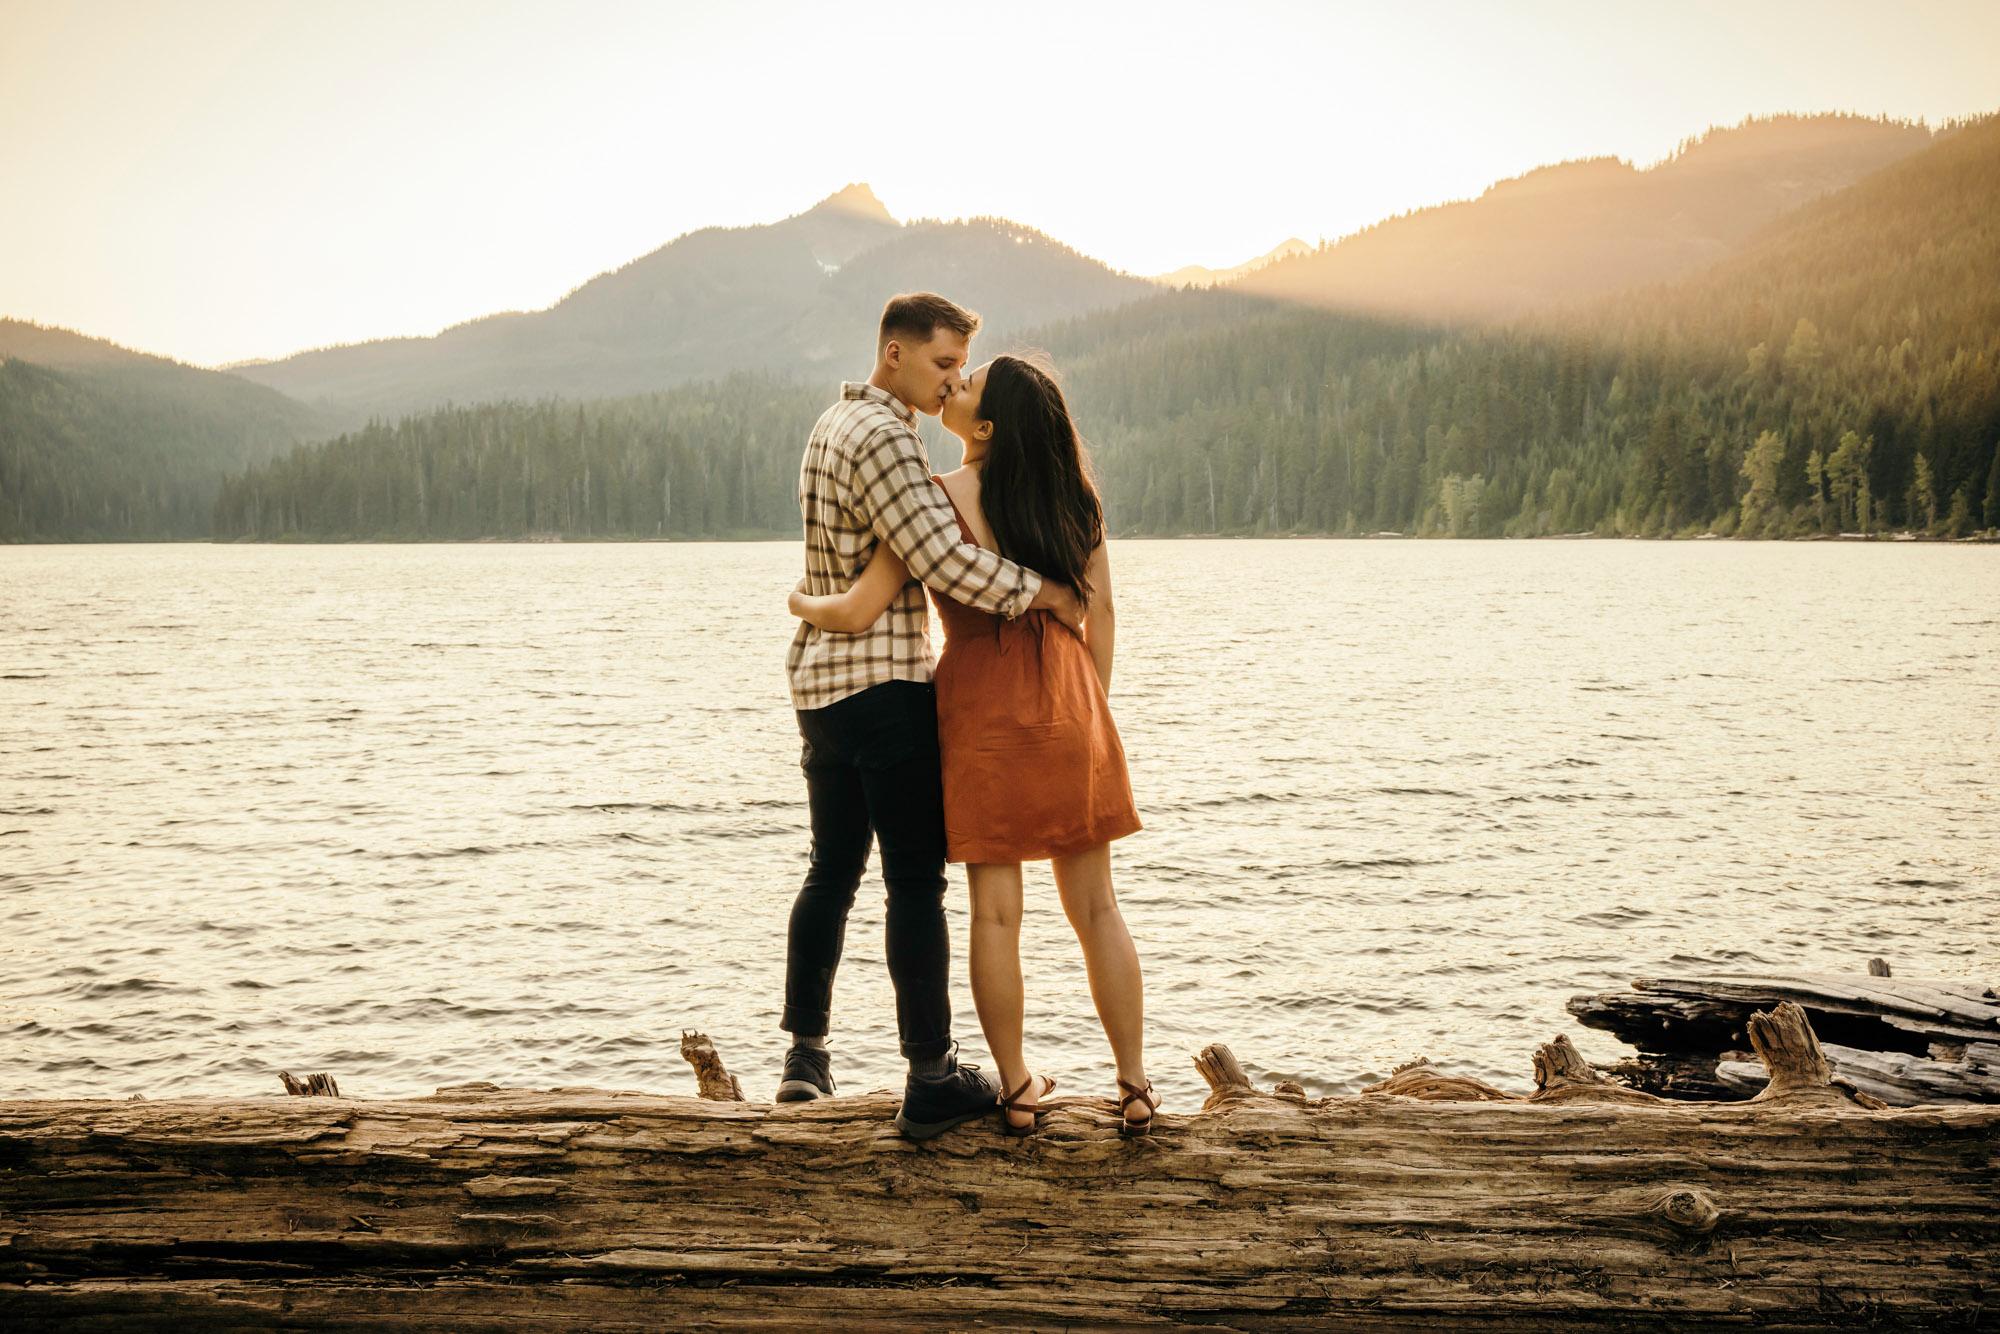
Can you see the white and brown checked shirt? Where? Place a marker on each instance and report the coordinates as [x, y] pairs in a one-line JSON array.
[[866, 477]]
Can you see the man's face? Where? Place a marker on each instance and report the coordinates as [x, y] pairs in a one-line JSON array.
[[927, 373]]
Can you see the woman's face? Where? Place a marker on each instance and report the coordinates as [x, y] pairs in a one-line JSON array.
[[961, 408]]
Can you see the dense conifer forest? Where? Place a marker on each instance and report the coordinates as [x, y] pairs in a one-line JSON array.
[[126, 447], [1840, 374], [717, 460]]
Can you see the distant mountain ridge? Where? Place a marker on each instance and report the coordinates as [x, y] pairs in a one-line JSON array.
[[66, 349], [1837, 372], [1840, 372], [1577, 230], [1196, 275], [799, 296], [99, 442]]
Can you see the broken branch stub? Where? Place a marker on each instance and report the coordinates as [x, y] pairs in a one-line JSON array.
[[714, 1081], [1224, 1073], [312, 1086], [1784, 1040], [1562, 1075], [1421, 1080]]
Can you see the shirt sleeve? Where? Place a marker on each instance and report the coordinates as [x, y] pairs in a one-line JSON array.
[[912, 514]]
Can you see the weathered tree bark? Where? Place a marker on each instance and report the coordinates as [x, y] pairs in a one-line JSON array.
[[572, 1209]]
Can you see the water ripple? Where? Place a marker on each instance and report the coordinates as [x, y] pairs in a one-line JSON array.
[[418, 815]]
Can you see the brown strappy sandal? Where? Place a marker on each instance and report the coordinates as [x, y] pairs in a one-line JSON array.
[[1129, 1128], [1012, 1103]]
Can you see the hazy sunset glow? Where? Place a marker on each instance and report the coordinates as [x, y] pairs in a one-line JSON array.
[[220, 181]]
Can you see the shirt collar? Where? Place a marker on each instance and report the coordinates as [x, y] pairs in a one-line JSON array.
[[862, 389]]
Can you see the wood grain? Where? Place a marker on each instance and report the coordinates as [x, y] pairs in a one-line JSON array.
[[484, 1208]]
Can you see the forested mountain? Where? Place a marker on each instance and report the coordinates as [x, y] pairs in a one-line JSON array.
[[98, 442], [1841, 373], [795, 297], [66, 349], [1565, 233]]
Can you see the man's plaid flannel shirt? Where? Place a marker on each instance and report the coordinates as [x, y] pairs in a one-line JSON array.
[[867, 478]]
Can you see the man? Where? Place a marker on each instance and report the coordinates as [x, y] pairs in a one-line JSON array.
[[868, 713]]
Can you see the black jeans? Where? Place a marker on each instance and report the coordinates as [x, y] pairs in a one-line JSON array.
[[871, 763]]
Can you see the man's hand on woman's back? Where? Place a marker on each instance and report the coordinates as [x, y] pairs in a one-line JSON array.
[[1060, 600]]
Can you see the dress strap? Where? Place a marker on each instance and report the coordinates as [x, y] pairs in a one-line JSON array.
[[964, 528]]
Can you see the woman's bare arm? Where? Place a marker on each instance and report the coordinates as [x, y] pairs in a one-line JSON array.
[[862, 604], [1100, 622]]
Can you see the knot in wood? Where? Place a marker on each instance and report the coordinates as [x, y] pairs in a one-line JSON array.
[[1688, 1209]]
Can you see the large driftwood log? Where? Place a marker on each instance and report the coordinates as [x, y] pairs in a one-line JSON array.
[[1898, 1079], [1874, 1013], [1686, 1028], [487, 1208]]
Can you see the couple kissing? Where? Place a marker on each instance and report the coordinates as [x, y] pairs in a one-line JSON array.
[[1000, 752]]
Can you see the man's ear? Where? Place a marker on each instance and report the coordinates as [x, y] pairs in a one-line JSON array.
[[892, 354]]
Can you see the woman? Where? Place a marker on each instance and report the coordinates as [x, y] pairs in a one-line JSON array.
[[1033, 768]]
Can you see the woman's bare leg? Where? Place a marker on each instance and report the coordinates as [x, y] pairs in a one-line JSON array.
[[1110, 959], [997, 992]]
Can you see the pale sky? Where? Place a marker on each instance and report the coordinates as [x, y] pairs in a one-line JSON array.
[[216, 181]]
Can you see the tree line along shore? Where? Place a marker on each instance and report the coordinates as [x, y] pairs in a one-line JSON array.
[[1841, 375], [1837, 374]]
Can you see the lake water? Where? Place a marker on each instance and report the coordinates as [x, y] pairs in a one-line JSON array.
[[419, 815]]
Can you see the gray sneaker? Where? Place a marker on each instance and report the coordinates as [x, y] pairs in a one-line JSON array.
[[933, 1106], [808, 1075]]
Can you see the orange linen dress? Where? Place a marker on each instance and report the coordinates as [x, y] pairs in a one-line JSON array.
[[1033, 767]]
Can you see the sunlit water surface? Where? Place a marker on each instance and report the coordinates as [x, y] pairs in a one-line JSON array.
[[418, 815]]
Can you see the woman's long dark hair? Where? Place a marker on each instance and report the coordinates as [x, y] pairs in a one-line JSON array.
[[1036, 488]]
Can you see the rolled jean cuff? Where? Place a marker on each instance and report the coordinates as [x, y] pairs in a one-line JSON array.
[[804, 1023], [915, 1051]]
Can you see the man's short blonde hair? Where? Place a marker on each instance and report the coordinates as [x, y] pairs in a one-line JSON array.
[[915, 317]]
